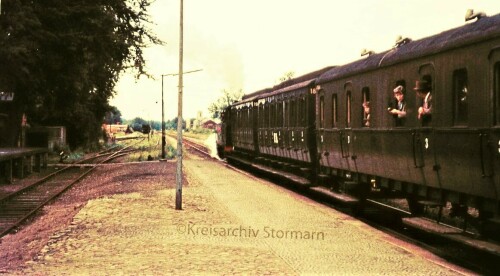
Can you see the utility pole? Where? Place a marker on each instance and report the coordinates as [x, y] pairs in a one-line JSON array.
[[178, 193], [163, 140]]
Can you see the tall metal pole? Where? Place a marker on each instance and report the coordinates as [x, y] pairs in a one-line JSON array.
[[163, 141], [178, 194]]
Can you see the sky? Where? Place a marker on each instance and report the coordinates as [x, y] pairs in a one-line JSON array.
[[250, 45]]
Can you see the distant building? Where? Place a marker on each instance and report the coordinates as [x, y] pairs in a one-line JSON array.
[[210, 123], [114, 128]]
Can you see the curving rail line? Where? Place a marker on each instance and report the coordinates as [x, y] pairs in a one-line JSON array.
[[195, 145], [20, 205]]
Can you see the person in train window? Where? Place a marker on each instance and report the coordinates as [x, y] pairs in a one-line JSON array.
[[423, 90], [366, 117], [398, 108]]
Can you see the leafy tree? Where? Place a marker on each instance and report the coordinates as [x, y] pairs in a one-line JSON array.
[[172, 124], [156, 125], [63, 58], [287, 76], [113, 116], [227, 98], [137, 123]]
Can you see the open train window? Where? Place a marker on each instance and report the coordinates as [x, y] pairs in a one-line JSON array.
[[365, 108], [460, 97], [348, 109], [322, 111], [496, 93], [334, 110]]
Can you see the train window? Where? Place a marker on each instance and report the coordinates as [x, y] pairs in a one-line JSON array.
[[264, 113], [249, 116], [286, 113], [322, 111], [302, 111], [269, 114], [292, 113], [281, 106], [460, 93], [334, 110], [299, 110], [348, 109], [265, 109], [365, 108], [274, 115], [496, 91]]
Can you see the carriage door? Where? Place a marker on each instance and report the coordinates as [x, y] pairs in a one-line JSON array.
[[426, 140], [346, 136], [491, 155]]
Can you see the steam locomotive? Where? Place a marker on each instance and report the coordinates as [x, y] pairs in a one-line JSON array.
[[315, 129]]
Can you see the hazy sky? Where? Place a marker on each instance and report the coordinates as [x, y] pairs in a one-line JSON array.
[[249, 45]]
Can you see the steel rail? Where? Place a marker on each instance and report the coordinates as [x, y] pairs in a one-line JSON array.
[[11, 218]]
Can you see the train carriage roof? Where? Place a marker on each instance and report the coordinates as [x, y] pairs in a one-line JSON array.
[[481, 30], [285, 86], [300, 79], [251, 96], [289, 88]]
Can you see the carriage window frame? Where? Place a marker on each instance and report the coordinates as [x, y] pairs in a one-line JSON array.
[[322, 110], [279, 113], [460, 97], [302, 111], [335, 113], [272, 110], [286, 114], [365, 96], [262, 116], [249, 116], [348, 118], [293, 113], [268, 114]]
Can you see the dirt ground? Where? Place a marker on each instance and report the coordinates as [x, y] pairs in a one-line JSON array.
[[24, 244]]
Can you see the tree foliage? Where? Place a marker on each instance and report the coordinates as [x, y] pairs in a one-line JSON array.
[[113, 116], [172, 124], [63, 58], [227, 98], [286, 76], [137, 123]]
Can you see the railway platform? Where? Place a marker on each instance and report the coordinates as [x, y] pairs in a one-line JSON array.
[[18, 162], [231, 223]]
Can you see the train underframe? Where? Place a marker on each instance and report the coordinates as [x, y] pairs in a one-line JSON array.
[[461, 210], [471, 213]]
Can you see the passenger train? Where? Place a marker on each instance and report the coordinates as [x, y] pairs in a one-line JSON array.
[[316, 130]]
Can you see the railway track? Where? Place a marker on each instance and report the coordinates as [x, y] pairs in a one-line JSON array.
[[194, 146], [16, 207]]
